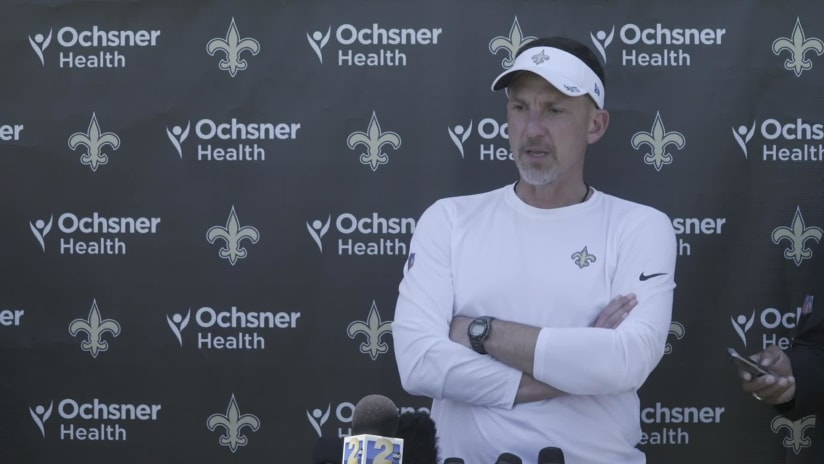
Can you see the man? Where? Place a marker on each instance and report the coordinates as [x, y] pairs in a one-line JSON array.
[[514, 310], [796, 388]]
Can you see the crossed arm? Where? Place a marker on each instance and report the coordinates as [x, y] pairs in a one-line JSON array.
[[514, 344]]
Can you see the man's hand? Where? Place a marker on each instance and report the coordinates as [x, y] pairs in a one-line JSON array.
[[772, 389], [616, 311]]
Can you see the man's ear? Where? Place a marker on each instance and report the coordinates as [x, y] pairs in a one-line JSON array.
[[597, 125]]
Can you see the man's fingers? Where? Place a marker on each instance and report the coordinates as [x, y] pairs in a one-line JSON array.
[[615, 312]]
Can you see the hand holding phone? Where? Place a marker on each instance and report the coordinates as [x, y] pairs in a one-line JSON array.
[[746, 364]]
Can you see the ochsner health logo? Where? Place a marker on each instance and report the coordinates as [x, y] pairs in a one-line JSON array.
[[231, 329], [366, 235], [374, 46], [773, 326], [782, 140], [494, 139], [234, 140], [76, 229], [95, 420], [658, 46], [110, 46]]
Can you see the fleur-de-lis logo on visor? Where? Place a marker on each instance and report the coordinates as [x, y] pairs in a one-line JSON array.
[[373, 139], [232, 46], [94, 141]]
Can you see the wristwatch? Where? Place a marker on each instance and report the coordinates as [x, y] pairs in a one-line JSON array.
[[478, 332]]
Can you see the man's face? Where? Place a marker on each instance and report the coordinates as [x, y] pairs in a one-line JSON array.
[[548, 131]]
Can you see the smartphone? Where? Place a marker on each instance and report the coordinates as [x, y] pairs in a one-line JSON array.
[[747, 364]]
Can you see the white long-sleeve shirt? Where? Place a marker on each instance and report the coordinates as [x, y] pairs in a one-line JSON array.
[[491, 254]]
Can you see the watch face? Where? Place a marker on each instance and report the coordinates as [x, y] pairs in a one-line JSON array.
[[476, 330]]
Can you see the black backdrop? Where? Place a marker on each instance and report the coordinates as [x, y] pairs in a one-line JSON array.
[[207, 207]]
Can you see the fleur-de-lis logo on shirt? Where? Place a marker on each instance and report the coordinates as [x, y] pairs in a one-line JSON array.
[[374, 329], [795, 429], [582, 258], [232, 234], [798, 46], [510, 44], [797, 234], [94, 141], [658, 139], [373, 139], [232, 46], [94, 327], [234, 422]]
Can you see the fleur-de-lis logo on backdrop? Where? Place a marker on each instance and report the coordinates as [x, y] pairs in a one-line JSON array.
[[658, 139], [373, 139], [798, 46], [582, 258], [374, 329], [232, 46], [39, 43], [318, 417], [94, 141], [742, 325], [795, 429], [743, 135], [459, 134], [797, 234], [94, 327], [234, 422], [601, 40], [232, 235], [317, 229], [510, 44], [677, 330]]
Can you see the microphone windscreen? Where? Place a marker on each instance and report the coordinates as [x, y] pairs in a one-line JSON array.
[[551, 455], [508, 458], [375, 415], [327, 450], [419, 438], [453, 461]]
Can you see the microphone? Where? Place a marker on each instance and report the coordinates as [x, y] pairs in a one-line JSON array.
[[453, 461], [375, 415], [419, 435], [327, 450], [508, 458], [374, 425], [551, 455]]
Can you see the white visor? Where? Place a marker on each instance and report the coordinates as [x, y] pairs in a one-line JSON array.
[[565, 71]]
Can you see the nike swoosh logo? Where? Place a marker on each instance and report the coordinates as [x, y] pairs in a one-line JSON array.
[[643, 277]]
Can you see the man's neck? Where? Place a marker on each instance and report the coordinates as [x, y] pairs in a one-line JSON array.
[[552, 195]]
